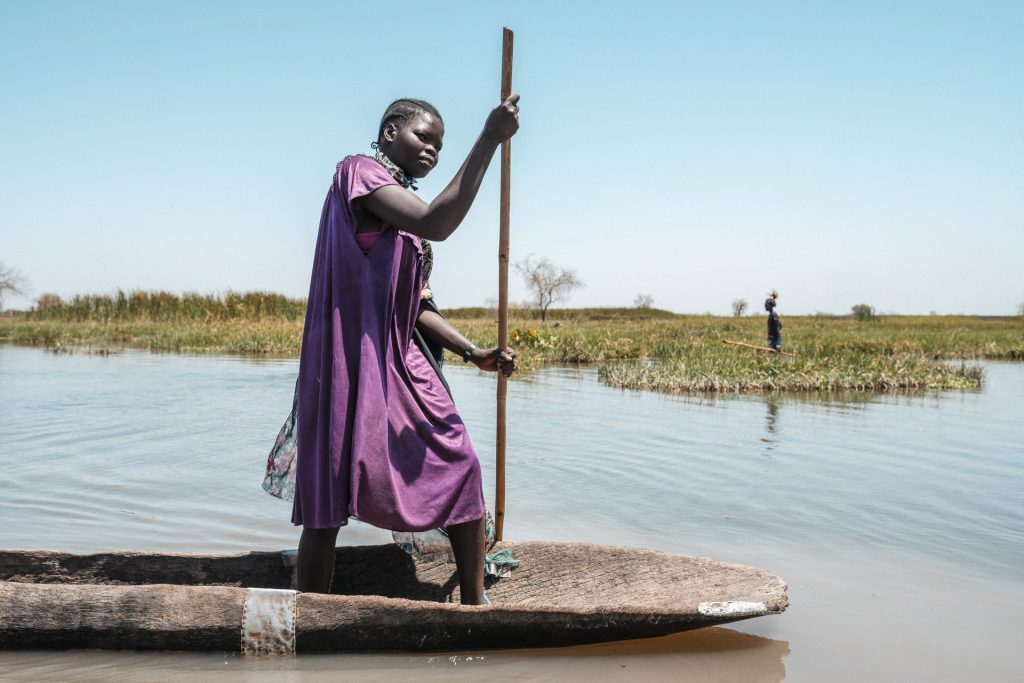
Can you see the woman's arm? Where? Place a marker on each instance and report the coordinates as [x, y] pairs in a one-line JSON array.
[[438, 219], [437, 330]]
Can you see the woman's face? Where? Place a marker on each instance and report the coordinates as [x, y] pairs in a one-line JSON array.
[[415, 147]]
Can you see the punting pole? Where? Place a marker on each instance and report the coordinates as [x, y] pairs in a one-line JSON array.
[[506, 187], [759, 348]]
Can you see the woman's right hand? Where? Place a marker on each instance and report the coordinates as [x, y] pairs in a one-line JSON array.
[[503, 121], [437, 220]]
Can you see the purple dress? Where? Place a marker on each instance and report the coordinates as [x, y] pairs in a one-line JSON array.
[[377, 435]]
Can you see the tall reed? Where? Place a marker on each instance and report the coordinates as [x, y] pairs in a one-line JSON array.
[[158, 306]]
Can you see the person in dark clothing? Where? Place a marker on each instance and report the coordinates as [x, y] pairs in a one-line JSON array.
[[774, 323]]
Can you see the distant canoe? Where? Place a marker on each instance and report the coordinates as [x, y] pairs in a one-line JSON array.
[[560, 594]]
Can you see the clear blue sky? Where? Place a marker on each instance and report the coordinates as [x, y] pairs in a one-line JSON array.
[[697, 152]]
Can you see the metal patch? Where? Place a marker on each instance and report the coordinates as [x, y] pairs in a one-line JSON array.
[[732, 609], [268, 622]]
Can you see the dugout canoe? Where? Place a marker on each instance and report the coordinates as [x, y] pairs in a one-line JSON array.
[[560, 594]]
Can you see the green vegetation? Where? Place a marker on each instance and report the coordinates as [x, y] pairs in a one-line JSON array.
[[270, 336], [677, 353], [863, 312], [736, 373], [637, 348], [249, 323]]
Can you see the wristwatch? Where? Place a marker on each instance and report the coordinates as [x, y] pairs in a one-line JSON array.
[[468, 353]]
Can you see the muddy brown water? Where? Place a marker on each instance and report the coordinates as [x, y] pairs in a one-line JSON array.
[[896, 520]]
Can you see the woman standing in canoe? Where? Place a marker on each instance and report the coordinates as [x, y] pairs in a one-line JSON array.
[[378, 437]]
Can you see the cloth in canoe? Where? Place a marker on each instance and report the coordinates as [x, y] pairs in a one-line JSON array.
[[377, 434]]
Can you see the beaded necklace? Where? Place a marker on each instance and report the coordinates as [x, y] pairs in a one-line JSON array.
[[393, 169]]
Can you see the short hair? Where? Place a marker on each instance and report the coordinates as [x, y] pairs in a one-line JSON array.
[[402, 111]]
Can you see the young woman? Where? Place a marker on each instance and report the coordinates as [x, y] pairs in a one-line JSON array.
[[378, 437]]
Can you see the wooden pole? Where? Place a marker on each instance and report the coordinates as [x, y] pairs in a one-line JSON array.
[[506, 188], [759, 348]]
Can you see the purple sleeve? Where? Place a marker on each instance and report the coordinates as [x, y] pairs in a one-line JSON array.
[[358, 176]]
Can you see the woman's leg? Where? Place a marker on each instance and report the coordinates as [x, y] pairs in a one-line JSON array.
[[468, 545], [315, 564]]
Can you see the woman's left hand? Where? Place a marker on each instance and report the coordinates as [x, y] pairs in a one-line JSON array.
[[494, 360]]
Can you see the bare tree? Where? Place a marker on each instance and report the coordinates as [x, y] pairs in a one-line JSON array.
[[739, 307], [1020, 309], [547, 282], [11, 282], [643, 301]]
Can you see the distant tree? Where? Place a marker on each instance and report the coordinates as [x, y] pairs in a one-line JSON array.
[[547, 282], [47, 300], [863, 312], [643, 301], [11, 282], [1020, 309], [739, 307]]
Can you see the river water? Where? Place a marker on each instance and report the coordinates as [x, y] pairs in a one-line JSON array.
[[896, 520]]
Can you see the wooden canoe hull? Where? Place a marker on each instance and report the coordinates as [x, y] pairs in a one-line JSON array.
[[561, 594]]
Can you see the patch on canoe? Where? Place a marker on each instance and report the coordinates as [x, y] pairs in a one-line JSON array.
[[732, 609], [268, 622]]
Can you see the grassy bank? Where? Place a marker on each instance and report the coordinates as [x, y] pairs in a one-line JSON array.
[[687, 353], [846, 372], [270, 336], [635, 348]]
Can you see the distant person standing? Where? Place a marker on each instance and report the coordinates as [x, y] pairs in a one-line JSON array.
[[774, 323]]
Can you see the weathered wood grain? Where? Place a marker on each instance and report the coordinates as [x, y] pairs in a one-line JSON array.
[[561, 594], [161, 617]]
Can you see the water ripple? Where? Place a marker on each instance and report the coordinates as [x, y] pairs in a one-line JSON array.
[[143, 451]]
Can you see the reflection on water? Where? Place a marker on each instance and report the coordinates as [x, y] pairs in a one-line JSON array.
[[883, 512], [771, 426], [710, 654]]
